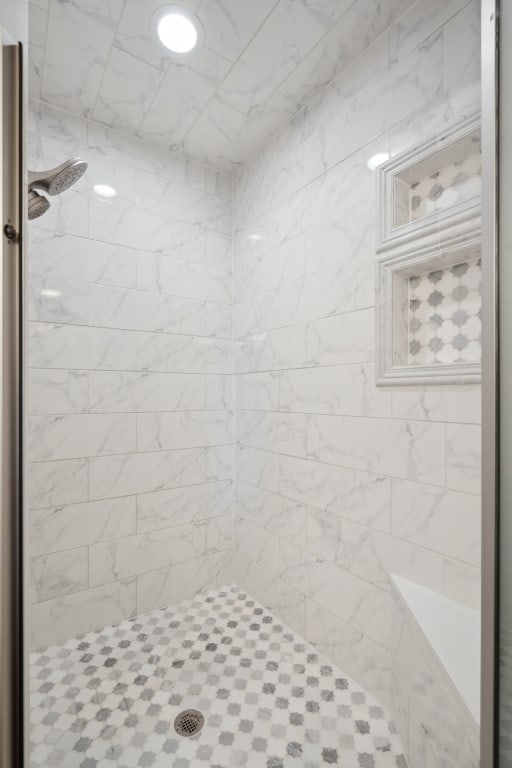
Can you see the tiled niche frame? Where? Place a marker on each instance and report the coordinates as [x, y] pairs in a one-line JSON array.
[[412, 246]]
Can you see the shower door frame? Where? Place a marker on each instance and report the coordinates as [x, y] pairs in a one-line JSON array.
[[13, 658], [490, 386]]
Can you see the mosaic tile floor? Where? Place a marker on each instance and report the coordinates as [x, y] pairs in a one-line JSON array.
[[110, 698]]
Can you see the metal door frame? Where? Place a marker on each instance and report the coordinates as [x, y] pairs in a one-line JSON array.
[[12, 651], [490, 385]]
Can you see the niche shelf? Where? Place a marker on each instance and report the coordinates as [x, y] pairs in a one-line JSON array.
[[431, 188], [429, 262]]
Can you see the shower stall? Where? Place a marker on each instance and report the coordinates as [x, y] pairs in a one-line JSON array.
[[242, 351]]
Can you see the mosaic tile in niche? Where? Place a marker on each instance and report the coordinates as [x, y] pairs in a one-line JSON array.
[[451, 185], [444, 315]]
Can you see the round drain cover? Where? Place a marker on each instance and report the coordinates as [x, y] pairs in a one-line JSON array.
[[189, 722]]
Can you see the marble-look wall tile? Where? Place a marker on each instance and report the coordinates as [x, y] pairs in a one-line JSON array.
[[462, 45], [284, 517], [257, 467], [182, 354], [269, 589], [82, 34], [418, 23], [407, 449], [370, 554], [354, 600], [185, 429], [157, 589], [219, 533], [75, 436], [462, 582], [121, 391], [52, 299], [349, 648], [57, 391], [255, 545], [219, 320], [53, 483], [279, 349], [359, 496], [188, 275], [53, 345], [131, 362], [463, 457], [278, 432], [130, 473], [71, 525], [220, 393], [182, 202], [178, 506], [385, 479], [219, 462], [258, 391], [457, 404], [58, 574], [60, 255], [341, 339], [347, 390], [69, 215], [436, 518], [63, 617], [121, 558]]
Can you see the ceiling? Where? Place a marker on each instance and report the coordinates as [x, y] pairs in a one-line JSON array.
[[260, 62]]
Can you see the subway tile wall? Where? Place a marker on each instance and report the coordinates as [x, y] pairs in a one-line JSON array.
[[134, 341], [130, 382], [338, 483]]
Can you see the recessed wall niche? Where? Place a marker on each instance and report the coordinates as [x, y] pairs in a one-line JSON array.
[[432, 187], [429, 262]]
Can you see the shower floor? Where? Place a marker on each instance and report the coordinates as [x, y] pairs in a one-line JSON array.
[[109, 699]]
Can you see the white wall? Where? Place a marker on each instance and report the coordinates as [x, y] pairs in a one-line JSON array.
[[130, 385], [340, 483]]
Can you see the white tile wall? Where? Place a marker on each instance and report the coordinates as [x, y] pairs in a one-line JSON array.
[[338, 483], [130, 385], [133, 345]]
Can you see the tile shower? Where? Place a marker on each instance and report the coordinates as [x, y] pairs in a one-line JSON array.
[[203, 412]]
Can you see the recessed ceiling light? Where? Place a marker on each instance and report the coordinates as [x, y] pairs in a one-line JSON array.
[[177, 29], [378, 159], [105, 190]]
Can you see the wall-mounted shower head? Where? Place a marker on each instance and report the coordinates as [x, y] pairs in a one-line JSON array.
[[37, 205], [53, 183], [58, 179]]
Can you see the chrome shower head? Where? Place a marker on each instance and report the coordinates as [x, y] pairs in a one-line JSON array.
[[58, 179], [37, 205]]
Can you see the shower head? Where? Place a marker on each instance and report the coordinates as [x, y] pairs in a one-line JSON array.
[[58, 179], [37, 205]]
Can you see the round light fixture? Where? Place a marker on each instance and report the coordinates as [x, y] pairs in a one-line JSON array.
[[177, 29], [104, 190]]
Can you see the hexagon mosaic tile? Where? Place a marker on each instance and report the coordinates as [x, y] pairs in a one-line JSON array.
[[109, 699], [445, 315]]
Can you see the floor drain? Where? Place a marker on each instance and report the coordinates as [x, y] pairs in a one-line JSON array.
[[189, 722]]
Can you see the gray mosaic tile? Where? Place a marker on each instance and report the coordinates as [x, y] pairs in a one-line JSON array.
[[269, 701], [444, 316]]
